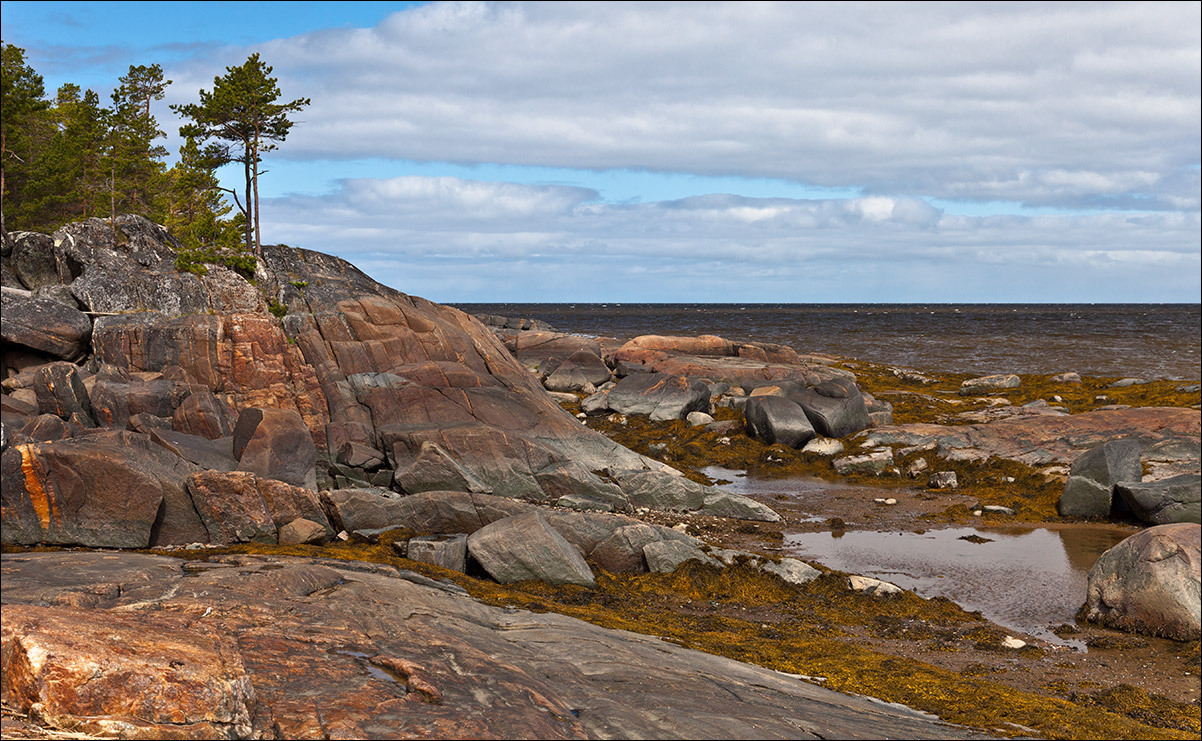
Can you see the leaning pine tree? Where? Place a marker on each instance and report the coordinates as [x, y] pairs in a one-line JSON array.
[[243, 114]]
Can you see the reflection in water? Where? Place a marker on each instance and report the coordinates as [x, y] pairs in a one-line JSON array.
[[1026, 579]]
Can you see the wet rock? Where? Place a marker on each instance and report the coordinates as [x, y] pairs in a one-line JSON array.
[[276, 444], [44, 325], [526, 547], [660, 396], [1175, 499], [1149, 583], [775, 419], [987, 384], [447, 551], [1093, 475], [302, 531]]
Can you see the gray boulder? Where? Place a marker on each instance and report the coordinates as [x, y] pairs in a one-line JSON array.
[[1176, 499], [835, 407], [44, 325], [1093, 475], [663, 556], [576, 372], [661, 396], [33, 260], [434, 470], [986, 384], [526, 547], [775, 419], [1149, 583], [447, 551]]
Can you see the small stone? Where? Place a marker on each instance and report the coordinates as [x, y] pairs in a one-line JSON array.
[[917, 468], [698, 419], [823, 446], [997, 509], [302, 532], [872, 587], [343, 535], [977, 513], [1012, 642], [943, 480], [888, 501], [581, 415]]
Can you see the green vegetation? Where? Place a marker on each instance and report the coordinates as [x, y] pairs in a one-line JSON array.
[[70, 157]]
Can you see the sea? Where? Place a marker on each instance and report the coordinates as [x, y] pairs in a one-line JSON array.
[[1105, 340]]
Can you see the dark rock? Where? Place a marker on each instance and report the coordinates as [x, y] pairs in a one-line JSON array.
[[366, 509], [105, 490], [60, 390], [835, 407], [276, 444], [525, 547], [775, 419], [568, 479], [48, 427], [33, 260], [148, 423], [209, 454], [1149, 583], [1090, 486], [663, 397], [434, 470], [360, 456], [45, 325], [1175, 499]]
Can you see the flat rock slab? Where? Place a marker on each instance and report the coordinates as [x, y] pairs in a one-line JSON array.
[[333, 649]]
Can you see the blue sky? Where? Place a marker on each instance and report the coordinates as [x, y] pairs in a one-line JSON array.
[[704, 151]]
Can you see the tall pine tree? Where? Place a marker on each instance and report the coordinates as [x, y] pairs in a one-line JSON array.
[[22, 96]]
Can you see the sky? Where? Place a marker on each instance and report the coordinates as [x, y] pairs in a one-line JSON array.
[[703, 152]]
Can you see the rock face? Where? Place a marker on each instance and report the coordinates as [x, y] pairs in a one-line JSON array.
[[835, 408], [1090, 487], [354, 371], [1149, 583], [148, 647]]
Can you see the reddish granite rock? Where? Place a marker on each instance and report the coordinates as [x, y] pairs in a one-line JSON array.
[[239, 507], [275, 444]]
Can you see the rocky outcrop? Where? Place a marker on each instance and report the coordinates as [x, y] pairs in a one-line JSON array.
[[1150, 583], [988, 384], [146, 646], [525, 547]]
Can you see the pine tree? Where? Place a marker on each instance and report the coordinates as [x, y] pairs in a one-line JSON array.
[[22, 96], [243, 114], [136, 166]]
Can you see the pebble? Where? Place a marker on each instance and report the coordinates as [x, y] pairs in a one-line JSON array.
[[998, 509], [1012, 642], [890, 500]]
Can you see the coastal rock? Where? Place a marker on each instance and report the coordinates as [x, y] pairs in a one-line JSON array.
[[447, 551], [202, 413], [1069, 377], [775, 419], [397, 655], [434, 470], [1175, 499], [622, 551], [532, 348], [105, 490], [61, 391], [698, 419], [835, 407], [1090, 486], [44, 325], [663, 556], [876, 462], [872, 587], [943, 480], [45, 428], [660, 396], [1149, 583], [240, 507], [302, 531], [578, 370], [793, 571], [276, 444], [988, 384], [526, 547], [823, 446]]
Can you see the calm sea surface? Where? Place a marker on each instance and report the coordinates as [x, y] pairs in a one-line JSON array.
[[1128, 340]]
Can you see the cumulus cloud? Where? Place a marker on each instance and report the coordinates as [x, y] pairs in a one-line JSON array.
[[424, 236], [1047, 104]]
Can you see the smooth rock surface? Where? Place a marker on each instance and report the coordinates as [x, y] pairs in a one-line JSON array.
[[1175, 499], [526, 547]]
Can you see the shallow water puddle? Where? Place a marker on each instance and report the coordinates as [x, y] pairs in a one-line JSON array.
[[1027, 579]]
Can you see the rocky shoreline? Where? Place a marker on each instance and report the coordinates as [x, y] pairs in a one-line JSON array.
[[260, 472]]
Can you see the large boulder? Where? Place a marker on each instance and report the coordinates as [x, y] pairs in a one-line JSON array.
[[660, 396], [240, 507], [579, 370], [835, 407], [1149, 583], [276, 444], [526, 547], [61, 391], [775, 419], [1089, 490], [1175, 499], [105, 490], [44, 325]]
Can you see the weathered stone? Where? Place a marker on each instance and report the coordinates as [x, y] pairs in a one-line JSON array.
[[302, 531], [577, 371], [33, 260], [434, 470], [364, 509], [202, 413], [775, 419], [1149, 583], [877, 461], [1175, 499], [663, 556], [793, 571], [834, 407], [44, 325], [660, 396], [526, 547], [1069, 377], [872, 587], [105, 490], [720, 503], [598, 403], [568, 478], [1090, 486], [661, 490], [360, 456], [622, 551], [48, 427], [986, 384], [942, 480], [698, 419], [276, 444], [447, 551], [823, 446], [60, 390]]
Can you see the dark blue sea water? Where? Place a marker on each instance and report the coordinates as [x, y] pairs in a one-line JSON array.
[[1121, 340]]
